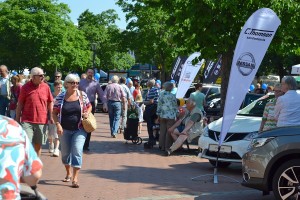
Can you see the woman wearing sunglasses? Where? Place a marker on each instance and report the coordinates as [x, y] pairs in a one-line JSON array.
[[69, 108]]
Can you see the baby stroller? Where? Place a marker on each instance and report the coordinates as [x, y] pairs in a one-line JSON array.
[[131, 130]]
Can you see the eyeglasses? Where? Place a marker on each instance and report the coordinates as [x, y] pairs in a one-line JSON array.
[[40, 75], [74, 83]]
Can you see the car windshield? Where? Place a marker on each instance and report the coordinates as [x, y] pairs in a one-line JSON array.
[[256, 108]]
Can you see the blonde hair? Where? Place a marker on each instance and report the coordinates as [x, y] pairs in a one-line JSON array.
[[139, 98]]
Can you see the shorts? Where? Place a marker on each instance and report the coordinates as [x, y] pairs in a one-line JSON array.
[[52, 131], [37, 133], [180, 128]]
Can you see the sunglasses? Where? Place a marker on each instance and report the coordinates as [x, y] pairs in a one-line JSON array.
[[40, 75], [74, 83]]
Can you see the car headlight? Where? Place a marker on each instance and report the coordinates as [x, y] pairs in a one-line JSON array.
[[258, 142], [205, 131], [250, 136]]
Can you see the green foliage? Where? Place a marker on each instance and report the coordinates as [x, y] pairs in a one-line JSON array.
[[40, 33]]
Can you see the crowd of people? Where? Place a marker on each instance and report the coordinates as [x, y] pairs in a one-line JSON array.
[[53, 113]]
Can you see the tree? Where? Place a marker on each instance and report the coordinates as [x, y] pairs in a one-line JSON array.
[[149, 35], [102, 30], [40, 33]]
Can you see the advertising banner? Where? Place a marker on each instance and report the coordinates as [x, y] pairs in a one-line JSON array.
[[250, 49], [177, 68], [212, 71], [188, 74]]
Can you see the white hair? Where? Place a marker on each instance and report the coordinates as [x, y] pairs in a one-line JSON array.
[[114, 79], [36, 71]]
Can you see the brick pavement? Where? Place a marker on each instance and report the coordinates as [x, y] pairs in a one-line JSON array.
[[116, 170]]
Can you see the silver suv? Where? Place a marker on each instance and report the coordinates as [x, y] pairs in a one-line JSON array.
[[273, 163]]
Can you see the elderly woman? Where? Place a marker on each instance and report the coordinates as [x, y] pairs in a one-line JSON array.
[[69, 108], [287, 108], [192, 126], [268, 120], [15, 92], [166, 111]]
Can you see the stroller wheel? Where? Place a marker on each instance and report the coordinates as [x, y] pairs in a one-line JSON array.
[[140, 140], [135, 141]]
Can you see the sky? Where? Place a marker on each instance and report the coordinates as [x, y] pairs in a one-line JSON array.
[[95, 6]]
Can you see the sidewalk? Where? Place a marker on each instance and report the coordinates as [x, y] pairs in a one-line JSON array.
[[116, 170]]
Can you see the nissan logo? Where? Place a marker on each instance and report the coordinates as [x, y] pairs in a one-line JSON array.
[[246, 63]]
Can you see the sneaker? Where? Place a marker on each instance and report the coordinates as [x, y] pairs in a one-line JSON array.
[[168, 152], [55, 153], [51, 148]]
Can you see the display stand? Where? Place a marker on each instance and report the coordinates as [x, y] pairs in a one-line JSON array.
[[215, 174]]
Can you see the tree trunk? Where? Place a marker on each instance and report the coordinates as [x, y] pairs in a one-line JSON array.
[[226, 67]]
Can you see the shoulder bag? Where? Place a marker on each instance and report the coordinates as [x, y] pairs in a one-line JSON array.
[[89, 123]]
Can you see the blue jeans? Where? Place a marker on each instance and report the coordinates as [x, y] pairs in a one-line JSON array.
[[114, 112], [3, 105], [72, 146]]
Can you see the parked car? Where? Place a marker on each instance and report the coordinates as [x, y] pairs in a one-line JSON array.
[[213, 104], [99, 106], [244, 127], [207, 89], [273, 163]]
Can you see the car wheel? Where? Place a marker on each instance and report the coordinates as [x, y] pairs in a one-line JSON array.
[[220, 164], [285, 183]]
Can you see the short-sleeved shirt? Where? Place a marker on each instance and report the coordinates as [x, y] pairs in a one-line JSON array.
[[167, 105], [199, 98], [35, 100], [153, 93], [59, 103], [91, 87], [17, 158], [114, 92]]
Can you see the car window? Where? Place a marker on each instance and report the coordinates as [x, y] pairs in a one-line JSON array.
[[256, 108]]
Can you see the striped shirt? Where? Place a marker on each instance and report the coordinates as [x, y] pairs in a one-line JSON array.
[[153, 93], [59, 101]]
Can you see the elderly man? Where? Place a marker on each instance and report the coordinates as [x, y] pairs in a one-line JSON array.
[[287, 108], [34, 104], [128, 100], [150, 116], [115, 95], [91, 87], [4, 89], [188, 127]]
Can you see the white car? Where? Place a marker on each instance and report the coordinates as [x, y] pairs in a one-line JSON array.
[[244, 127]]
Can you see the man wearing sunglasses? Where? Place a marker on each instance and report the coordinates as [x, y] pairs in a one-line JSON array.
[[57, 77], [34, 104], [91, 87]]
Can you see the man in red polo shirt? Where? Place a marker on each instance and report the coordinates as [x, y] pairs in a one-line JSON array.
[[34, 104]]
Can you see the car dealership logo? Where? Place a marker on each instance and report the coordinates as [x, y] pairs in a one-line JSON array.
[[246, 63]]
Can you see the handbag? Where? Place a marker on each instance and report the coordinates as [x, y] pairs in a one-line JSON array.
[[89, 124]]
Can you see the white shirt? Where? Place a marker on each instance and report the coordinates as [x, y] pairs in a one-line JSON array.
[[4, 86], [287, 109]]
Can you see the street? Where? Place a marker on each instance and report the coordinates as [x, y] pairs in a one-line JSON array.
[[116, 170]]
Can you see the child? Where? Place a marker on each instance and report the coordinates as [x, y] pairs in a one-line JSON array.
[[141, 109], [52, 134]]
